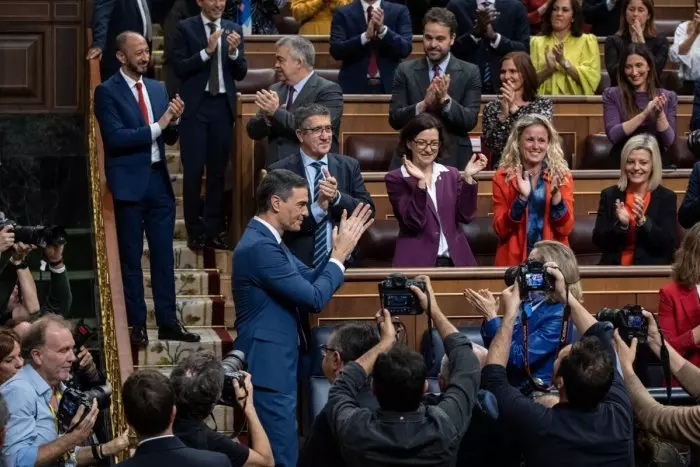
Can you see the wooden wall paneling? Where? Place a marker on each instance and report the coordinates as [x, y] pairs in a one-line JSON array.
[[25, 52], [42, 46]]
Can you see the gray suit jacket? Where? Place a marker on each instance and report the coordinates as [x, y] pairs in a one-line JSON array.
[[411, 81], [281, 130]]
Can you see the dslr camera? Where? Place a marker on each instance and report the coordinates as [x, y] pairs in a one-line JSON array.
[[234, 364], [628, 320], [397, 297], [530, 276], [38, 235], [73, 398]]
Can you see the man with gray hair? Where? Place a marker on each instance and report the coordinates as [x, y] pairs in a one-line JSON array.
[[197, 382], [297, 85], [335, 184]]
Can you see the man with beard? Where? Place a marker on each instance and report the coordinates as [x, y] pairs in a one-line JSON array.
[[298, 85], [136, 120], [441, 84], [208, 57]]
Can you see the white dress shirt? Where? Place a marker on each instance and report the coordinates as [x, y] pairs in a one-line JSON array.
[[205, 56], [155, 438], [279, 240], [155, 128], [363, 37], [443, 249], [689, 69]]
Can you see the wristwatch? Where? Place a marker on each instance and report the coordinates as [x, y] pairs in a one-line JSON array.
[[445, 101]]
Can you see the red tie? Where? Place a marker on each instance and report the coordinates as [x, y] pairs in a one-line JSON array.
[[142, 103], [372, 69]]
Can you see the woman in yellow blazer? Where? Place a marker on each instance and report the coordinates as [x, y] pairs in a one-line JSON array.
[[567, 61], [315, 15]]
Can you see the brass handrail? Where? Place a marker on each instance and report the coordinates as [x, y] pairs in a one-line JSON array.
[[115, 333]]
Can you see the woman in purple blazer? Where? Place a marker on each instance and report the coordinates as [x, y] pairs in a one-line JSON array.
[[429, 199], [638, 104]]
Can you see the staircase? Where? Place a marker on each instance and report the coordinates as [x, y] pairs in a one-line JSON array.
[[204, 302]]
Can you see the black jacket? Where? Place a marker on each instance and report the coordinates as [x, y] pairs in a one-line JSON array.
[[511, 23], [689, 212], [196, 434], [320, 448], [603, 22], [429, 436], [171, 452], [656, 239]]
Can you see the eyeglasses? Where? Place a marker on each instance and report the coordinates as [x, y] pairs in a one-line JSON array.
[[422, 144], [325, 349], [317, 130]]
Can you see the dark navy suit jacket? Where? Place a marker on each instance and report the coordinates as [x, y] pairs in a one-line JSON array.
[[188, 41], [353, 191], [127, 137], [273, 292], [109, 18], [349, 22], [689, 212], [511, 23]]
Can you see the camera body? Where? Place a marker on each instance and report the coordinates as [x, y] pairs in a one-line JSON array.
[[234, 364], [530, 276], [397, 296], [628, 320], [73, 398], [38, 235]]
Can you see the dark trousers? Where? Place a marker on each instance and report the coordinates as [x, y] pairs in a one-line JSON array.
[[205, 141], [154, 214]]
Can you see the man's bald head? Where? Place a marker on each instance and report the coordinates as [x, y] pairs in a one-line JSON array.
[[128, 38]]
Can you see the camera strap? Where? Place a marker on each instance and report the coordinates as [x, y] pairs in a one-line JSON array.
[[665, 362], [563, 341]]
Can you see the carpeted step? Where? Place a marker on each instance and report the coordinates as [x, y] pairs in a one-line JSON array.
[[172, 157], [169, 353], [192, 283], [185, 258], [198, 311]]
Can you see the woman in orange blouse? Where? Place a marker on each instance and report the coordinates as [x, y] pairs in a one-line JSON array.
[[533, 192], [636, 222]]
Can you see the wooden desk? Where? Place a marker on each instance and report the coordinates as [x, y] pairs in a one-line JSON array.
[[587, 187], [260, 52], [575, 117], [609, 286]]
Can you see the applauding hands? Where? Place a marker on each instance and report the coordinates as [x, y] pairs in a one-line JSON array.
[[476, 164], [376, 23], [623, 214]]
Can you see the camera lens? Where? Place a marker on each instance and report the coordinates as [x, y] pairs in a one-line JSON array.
[[102, 394], [233, 362]]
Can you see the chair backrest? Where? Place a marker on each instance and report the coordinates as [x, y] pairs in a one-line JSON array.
[[482, 239], [255, 80], [329, 73], [666, 27], [581, 240], [373, 151], [288, 25]]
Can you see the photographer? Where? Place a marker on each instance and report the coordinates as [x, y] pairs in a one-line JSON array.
[[545, 318], [592, 425], [404, 429], [197, 383], [679, 424], [19, 300], [33, 396]]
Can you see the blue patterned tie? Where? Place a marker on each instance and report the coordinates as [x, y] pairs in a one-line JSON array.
[[321, 233]]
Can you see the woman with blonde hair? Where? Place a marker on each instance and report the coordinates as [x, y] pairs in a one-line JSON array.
[[544, 321], [679, 306], [636, 222], [533, 191]]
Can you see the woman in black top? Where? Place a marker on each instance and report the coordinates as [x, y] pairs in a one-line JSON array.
[[636, 25]]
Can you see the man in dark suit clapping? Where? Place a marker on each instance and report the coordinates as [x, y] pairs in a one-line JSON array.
[[488, 30], [208, 57], [149, 406], [370, 38], [335, 184], [136, 121], [298, 85], [440, 84]]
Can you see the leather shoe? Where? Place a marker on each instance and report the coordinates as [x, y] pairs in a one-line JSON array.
[[177, 332], [218, 243], [196, 243], [139, 336]]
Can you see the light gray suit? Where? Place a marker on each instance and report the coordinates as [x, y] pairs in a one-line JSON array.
[[411, 82], [281, 131]]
